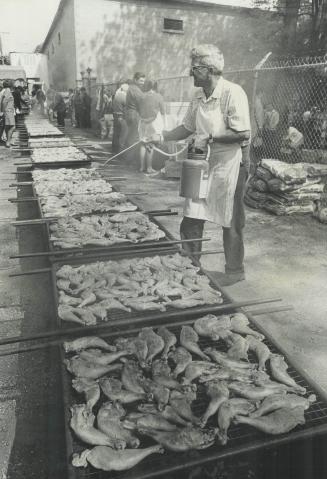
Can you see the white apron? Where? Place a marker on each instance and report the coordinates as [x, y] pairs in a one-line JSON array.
[[224, 165]]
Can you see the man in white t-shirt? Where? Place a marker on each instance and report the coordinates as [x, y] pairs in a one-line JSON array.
[[219, 113]]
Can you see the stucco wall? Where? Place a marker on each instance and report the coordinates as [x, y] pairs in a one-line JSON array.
[[62, 55], [117, 38]]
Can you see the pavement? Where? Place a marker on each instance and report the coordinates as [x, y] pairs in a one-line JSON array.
[[285, 258]]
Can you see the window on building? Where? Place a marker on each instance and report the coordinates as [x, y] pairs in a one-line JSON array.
[[59, 38], [173, 26], [52, 49]]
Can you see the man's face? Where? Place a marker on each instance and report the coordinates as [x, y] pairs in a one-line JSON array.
[[140, 82], [200, 73]]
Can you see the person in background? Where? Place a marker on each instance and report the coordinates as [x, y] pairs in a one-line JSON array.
[[133, 98], [59, 106], [85, 109], [7, 107], [269, 134], [50, 96], [41, 98], [77, 107], [151, 109], [17, 99], [218, 114], [25, 100], [106, 114], [2, 118], [70, 109], [120, 126]]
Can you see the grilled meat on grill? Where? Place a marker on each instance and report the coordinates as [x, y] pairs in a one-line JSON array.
[[167, 413], [155, 343], [181, 402], [87, 342], [169, 338], [240, 324], [98, 357], [109, 420], [181, 358], [140, 420], [227, 411], [278, 422], [114, 390], [260, 349], [132, 377], [90, 388], [227, 362], [159, 393], [278, 401], [238, 346], [183, 439], [212, 327], [161, 374], [84, 369], [107, 459], [82, 421], [218, 392], [189, 340], [279, 372], [256, 393], [197, 369]]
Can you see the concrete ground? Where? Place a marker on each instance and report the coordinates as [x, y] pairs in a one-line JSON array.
[[285, 257]]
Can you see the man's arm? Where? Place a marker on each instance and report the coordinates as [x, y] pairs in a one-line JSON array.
[[231, 136], [179, 133]]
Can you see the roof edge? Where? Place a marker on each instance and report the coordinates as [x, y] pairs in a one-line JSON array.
[[54, 23]]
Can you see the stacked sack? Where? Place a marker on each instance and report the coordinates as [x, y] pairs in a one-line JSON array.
[[284, 188]]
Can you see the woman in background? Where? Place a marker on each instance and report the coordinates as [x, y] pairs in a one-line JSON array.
[[7, 107]]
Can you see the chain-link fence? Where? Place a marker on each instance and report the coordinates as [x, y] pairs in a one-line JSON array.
[[290, 110]]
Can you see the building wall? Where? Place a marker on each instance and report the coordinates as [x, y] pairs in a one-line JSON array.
[[61, 51], [34, 64], [117, 38]]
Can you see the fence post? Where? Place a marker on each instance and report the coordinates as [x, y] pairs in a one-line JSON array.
[[257, 68]]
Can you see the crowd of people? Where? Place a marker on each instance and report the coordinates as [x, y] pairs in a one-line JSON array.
[[14, 101]]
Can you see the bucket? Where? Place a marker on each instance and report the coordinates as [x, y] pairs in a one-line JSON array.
[[194, 178]]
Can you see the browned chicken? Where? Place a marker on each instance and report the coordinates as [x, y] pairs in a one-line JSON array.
[[227, 362], [181, 358], [132, 377], [89, 388], [169, 339], [238, 346], [161, 374], [159, 393], [182, 402], [84, 369], [184, 439], [227, 411], [155, 343], [197, 369], [278, 401], [240, 324], [218, 392], [189, 340], [82, 421], [107, 459], [141, 420], [279, 368], [167, 413], [96, 356], [256, 393], [260, 349], [114, 390], [278, 422], [109, 420]]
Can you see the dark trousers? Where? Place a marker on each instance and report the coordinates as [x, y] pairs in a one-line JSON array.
[[232, 237], [61, 118]]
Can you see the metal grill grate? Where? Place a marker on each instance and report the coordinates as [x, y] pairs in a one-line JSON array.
[[242, 438]]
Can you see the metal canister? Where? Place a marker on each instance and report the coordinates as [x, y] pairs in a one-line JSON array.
[[194, 177]]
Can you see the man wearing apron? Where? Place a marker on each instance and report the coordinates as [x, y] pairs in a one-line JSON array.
[[219, 114]]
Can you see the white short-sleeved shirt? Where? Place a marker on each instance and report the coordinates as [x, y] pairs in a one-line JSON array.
[[227, 98]]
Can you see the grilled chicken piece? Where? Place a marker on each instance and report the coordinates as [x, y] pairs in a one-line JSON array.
[[132, 377], [109, 422], [88, 298], [167, 413], [155, 343], [161, 374], [107, 459], [140, 349], [181, 358], [85, 369], [184, 439], [256, 393], [189, 340], [238, 346], [279, 368], [181, 402], [218, 392], [90, 388], [211, 327], [227, 411], [112, 303], [99, 311], [113, 389], [140, 420], [260, 349], [278, 422], [240, 324], [66, 313], [169, 338], [197, 369], [227, 362], [68, 300], [98, 357], [87, 342], [139, 305], [82, 421], [159, 393], [278, 401]]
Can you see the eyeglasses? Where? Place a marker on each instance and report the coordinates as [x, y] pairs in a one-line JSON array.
[[197, 68]]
